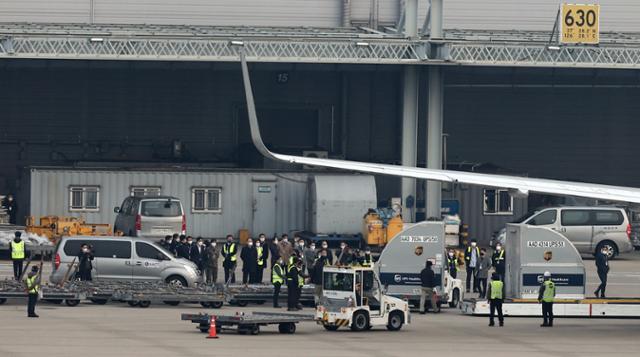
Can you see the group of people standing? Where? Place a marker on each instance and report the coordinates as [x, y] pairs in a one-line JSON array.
[[203, 253], [478, 263]]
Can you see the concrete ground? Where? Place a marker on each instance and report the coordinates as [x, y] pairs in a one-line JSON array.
[[117, 329]]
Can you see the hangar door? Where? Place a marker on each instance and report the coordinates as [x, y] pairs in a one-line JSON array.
[[264, 207]]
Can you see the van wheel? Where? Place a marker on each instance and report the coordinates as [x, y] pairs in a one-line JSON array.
[[72, 302], [610, 247], [360, 321], [144, 303], [177, 281], [2, 301], [216, 304], [242, 303], [172, 303], [99, 301], [396, 320], [455, 298]]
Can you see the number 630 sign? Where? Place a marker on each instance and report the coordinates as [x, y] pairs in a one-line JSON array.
[[580, 23]]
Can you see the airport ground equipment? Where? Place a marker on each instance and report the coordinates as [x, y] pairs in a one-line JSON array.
[[12, 289], [405, 256], [353, 296], [55, 227], [533, 250], [380, 226], [248, 323], [242, 295]]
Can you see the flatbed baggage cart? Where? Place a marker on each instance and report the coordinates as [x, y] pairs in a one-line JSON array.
[[247, 323]]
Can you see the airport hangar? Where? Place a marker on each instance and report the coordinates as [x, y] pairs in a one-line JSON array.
[[126, 85]]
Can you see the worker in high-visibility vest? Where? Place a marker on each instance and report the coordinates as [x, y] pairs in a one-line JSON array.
[[262, 255], [452, 263], [546, 296], [277, 279], [17, 255], [498, 260], [293, 284], [495, 293], [33, 287], [230, 254]]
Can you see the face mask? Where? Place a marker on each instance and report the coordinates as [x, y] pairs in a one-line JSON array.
[[200, 244], [280, 261], [257, 245], [285, 240], [342, 246], [85, 250], [313, 247], [498, 248], [10, 199], [262, 239], [250, 244], [474, 244], [214, 244], [325, 246], [367, 253], [302, 244], [451, 254]]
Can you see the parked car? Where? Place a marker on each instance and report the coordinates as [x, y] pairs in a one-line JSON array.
[[124, 259], [588, 228], [156, 216]]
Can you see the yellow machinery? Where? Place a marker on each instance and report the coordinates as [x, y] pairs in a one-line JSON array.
[[381, 226], [54, 227]]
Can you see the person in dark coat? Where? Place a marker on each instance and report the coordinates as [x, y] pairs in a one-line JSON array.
[[196, 253], [230, 255], [499, 261], [325, 247], [175, 242], [602, 263], [274, 250], [262, 253], [184, 249], [293, 284], [85, 257], [428, 282], [249, 257], [12, 209], [166, 242], [317, 272]]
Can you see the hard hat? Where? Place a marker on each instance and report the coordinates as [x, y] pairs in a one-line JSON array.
[[547, 274]]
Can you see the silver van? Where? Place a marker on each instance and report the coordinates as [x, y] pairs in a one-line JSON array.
[[125, 259], [588, 228], [155, 216]]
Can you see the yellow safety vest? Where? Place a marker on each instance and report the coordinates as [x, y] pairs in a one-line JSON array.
[[500, 255], [549, 291], [31, 284], [367, 261], [496, 289], [276, 274], [260, 261], [17, 250], [230, 249], [453, 261]]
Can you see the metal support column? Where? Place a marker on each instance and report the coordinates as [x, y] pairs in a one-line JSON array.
[[411, 18], [436, 19], [409, 140], [434, 140]]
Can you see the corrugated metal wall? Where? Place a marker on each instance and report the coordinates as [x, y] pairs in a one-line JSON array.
[[616, 15], [481, 226], [50, 196]]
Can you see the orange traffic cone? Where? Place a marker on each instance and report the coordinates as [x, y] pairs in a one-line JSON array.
[[212, 327]]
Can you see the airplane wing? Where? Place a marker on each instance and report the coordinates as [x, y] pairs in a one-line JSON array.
[[522, 185]]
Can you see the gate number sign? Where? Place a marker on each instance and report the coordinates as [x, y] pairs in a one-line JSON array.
[[580, 24]]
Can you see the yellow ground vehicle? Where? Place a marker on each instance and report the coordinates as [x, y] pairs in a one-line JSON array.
[[55, 227], [380, 226]]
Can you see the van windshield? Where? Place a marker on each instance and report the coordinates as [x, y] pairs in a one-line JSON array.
[[161, 208]]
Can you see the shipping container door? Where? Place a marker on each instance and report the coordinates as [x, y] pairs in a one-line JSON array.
[[264, 208]]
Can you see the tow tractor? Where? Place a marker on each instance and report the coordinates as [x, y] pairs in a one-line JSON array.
[[353, 296]]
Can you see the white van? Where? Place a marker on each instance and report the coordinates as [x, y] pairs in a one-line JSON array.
[[588, 228], [154, 217]]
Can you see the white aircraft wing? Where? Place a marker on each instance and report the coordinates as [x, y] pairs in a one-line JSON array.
[[522, 185]]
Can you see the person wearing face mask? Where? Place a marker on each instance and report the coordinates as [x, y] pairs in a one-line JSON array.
[[366, 260], [274, 250], [84, 263], [325, 247], [295, 281], [498, 259], [261, 254], [164, 243], [230, 254], [17, 254], [285, 250], [196, 253], [343, 255], [471, 255], [318, 270], [12, 209], [175, 242], [309, 255], [249, 257], [452, 263], [211, 256], [482, 272], [277, 279]]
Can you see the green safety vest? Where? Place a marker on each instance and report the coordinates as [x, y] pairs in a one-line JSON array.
[[500, 255], [276, 274], [469, 248], [17, 250], [31, 284], [453, 261], [260, 261], [300, 277], [549, 291], [496, 289], [230, 249]]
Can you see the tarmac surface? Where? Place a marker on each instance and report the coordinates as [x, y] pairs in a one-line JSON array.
[[117, 329]]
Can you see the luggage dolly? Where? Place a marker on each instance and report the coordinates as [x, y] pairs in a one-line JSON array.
[[247, 323]]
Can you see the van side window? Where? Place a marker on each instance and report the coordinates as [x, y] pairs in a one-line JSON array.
[[126, 206], [607, 218], [575, 217], [112, 249], [544, 218], [147, 251], [72, 247]]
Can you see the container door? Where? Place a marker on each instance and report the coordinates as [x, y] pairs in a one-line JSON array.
[[264, 208]]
